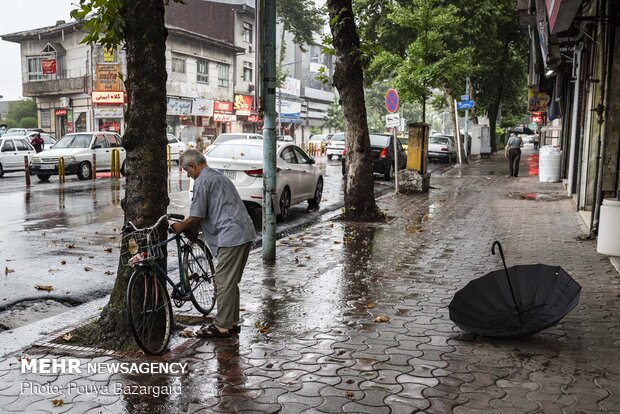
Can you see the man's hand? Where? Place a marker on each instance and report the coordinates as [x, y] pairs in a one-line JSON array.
[[177, 227]]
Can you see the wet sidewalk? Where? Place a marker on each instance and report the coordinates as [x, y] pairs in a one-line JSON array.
[[322, 351]]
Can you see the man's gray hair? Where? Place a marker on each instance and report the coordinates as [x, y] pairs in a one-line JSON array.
[[191, 157]]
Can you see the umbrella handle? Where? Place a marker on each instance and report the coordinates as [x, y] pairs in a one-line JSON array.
[[501, 253]]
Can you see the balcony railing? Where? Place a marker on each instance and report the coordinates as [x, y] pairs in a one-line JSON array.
[[56, 86]]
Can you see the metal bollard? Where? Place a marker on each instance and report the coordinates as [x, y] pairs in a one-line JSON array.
[[169, 158], [118, 163], [180, 169], [61, 169], [27, 170], [94, 170], [115, 167]]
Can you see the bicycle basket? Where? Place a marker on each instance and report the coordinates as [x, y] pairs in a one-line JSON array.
[[144, 242]]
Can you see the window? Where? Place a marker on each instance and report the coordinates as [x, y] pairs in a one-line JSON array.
[[35, 70], [101, 141], [114, 141], [247, 32], [21, 145], [288, 155], [247, 71], [178, 65], [8, 146], [202, 70], [222, 75], [302, 158]]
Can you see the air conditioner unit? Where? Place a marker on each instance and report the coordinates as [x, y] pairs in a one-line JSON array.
[[250, 88], [250, 49]]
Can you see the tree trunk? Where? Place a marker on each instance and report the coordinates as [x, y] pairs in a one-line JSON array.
[[449, 97], [493, 111], [473, 114], [359, 195], [146, 197]]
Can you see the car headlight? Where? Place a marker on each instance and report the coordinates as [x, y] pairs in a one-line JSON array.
[[35, 159], [69, 159]]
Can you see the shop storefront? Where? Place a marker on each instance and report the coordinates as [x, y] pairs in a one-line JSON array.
[[223, 116], [247, 119], [178, 114], [108, 111]]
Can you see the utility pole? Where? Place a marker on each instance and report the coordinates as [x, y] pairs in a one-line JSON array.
[[269, 130], [466, 129]]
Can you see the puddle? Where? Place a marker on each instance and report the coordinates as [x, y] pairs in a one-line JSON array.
[[536, 196], [30, 311]]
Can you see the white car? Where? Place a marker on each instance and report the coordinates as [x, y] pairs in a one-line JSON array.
[[229, 136], [176, 147], [48, 140], [298, 179], [442, 147], [336, 145], [13, 148], [77, 149]]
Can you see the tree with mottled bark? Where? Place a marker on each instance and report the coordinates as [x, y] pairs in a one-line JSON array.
[[348, 78], [137, 25]]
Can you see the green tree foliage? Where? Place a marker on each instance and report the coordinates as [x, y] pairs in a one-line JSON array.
[[334, 119], [20, 114]]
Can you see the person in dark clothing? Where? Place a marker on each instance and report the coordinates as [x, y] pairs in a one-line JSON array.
[[37, 142], [513, 152]]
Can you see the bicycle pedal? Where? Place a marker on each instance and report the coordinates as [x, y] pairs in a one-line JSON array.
[[180, 297]]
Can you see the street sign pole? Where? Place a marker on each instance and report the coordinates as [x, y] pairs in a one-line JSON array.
[[458, 133], [391, 104], [395, 160], [466, 129]]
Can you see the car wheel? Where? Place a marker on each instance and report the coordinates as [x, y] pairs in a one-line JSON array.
[[315, 201], [1, 170], [389, 174], [285, 203], [329, 156], [43, 177], [84, 171]]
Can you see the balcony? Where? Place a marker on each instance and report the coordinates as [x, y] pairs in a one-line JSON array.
[[56, 86]]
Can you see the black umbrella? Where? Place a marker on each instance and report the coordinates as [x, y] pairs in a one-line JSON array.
[[521, 130], [515, 302]]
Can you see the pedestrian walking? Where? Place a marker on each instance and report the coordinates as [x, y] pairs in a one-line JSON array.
[[37, 142], [228, 231], [513, 152]]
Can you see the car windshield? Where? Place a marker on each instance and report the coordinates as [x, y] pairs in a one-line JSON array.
[[338, 137], [238, 152], [404, 140], [48, 139], [317, 137], [379, 141], [74, 141], [229, 137], [439, 140]]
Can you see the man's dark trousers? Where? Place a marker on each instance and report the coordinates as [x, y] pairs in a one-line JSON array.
[[514, 157]]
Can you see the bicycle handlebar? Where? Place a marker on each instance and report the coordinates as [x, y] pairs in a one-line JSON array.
[[129, 224]]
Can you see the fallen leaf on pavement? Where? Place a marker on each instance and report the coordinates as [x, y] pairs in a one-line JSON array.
[[381, 319], [370, 305], [350, 394], [44, 287], [262, 328], [70, 245], [296, 249], [186, 333], [108, 249], [63, 262], [88, 269], [336, 242], [67, 337], [7, 270], [109, 273], [58, 403]]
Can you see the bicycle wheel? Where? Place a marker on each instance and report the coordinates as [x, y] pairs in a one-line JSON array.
[[198, 276], [150, 311]]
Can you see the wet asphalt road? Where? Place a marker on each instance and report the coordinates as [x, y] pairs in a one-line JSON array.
[[65, 236]]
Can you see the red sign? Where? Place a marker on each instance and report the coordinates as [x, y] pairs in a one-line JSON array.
[[391, 101], [115, 97], [223, 107], [61, 112], [537, 117], [254, 118], [243, 104], [48, 66]]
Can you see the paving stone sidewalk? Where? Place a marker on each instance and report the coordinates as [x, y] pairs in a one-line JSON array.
[[324, 352]]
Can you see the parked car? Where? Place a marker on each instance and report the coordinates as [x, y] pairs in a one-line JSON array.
[[382, 156], [317, 139], [13, 148], [22, 131], [77, 149], [176, 147], [285, 138], [48, 140], [231, 136], [336, 145], [442, 147], [404, 141], [298, 179]]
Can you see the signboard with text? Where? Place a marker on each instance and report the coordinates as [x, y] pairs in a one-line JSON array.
[[100, 97], [107, 78], [243, 105]]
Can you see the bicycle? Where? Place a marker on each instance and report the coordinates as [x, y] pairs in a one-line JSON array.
[[149, 304]]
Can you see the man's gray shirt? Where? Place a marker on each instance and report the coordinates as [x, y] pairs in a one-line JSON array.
[[226, 222], [514, 142]]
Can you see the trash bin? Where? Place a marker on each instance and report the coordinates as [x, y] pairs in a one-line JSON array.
[[549, 164], [608, 241]]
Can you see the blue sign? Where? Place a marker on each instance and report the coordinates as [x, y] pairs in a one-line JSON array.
[[465, 105], [391, 101]]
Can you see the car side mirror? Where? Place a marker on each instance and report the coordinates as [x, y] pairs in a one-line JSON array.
[[96, 146], [312, 160]]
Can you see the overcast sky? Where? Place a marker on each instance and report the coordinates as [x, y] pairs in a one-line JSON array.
[[19, 15]]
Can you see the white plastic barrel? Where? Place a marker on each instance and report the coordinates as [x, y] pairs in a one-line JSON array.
[[608, 241], [549, 164]]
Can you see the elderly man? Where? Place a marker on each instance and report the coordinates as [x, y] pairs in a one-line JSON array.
[[513, 152], [229, 232]]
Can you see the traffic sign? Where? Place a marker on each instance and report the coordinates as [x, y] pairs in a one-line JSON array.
[[465, 105], [392, 120], [464, 97], [391, 101]]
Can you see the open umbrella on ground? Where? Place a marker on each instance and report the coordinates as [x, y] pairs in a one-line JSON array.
[[515, 302], [521, 130]]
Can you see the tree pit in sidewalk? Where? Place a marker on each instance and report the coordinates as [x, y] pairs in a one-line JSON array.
[[93, 335]]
